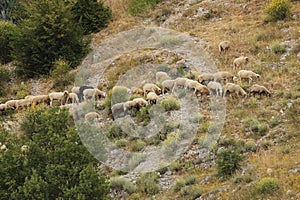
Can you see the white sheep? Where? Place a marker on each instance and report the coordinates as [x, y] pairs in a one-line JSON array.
[[259, 89], [3, 107], [179, 82], [60, 96], [247, 74], [24, 148], [161, 76], [215, 87], [240, 61], [39, 99], [234, 88], [73, 97], [167, 85], [94, 93], [205, 78], [23, 103], [3, 147], [11, 104], [223, 76], [224, 45], [75, 89], [152, 97], [92, 116], [151, 87]]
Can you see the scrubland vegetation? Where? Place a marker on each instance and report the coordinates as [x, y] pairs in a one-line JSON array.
[[255, 157]]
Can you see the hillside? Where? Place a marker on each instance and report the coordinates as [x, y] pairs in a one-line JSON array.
[[261, 133]]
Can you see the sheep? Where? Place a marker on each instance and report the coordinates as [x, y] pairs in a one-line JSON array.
[[61, 96], [140, 102], [215, 87], [92, 115], [161, 76], [259, 89], [150, 87], [247, 74], [240, 61], [11, 104], [75, 89], [223, 76], [3, 147], [81, 89], [224, 45], [96, 93], [179, 82], [167, 84], [117, 109], [24, 148], [136, 90], [152, 97], [202, 89], [234, 88], [205, 78], [23, 103], [73, 97], [3, 107], [39, 99]]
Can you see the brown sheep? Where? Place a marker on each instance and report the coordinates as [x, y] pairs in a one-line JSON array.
[[247, 74], [234, 88], [92, 116], [223, 76], [240, 61], [151, 87], [259, 89], [224, 46], [205, 78]]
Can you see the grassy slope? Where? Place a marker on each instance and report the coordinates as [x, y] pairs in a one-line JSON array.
[[242, 24]]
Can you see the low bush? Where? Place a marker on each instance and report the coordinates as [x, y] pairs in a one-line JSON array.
[[267, 185], [170, 103], [278, 10]]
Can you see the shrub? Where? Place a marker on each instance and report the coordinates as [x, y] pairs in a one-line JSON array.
[[228, 161], [278, 10], [4, 79], [49, 34], [115, 132], [7, 31], [140, 7], [137, 145], [170, 103], [278, 48], [143, 116], [122, 184], [148, 183], [250, 146], [60, 74], [190, 180], [92, 15], [267, 185]]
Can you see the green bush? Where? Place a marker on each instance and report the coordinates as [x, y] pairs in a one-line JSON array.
[[4, 79], [148, 183], [137, 145], [278, 48], [170, 103], [92, 15], [49, 34], [267, 185], [278, 10], [115, 131], [122, 184], [228, 161], [141, 7], [7, 31], [60, 75]]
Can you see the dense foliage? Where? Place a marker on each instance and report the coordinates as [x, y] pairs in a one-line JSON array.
[[7, 31], [49, 34], [278, 10], [92, 15], [56, 165]]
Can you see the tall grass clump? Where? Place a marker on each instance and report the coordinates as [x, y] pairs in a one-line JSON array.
[[278, 10]]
